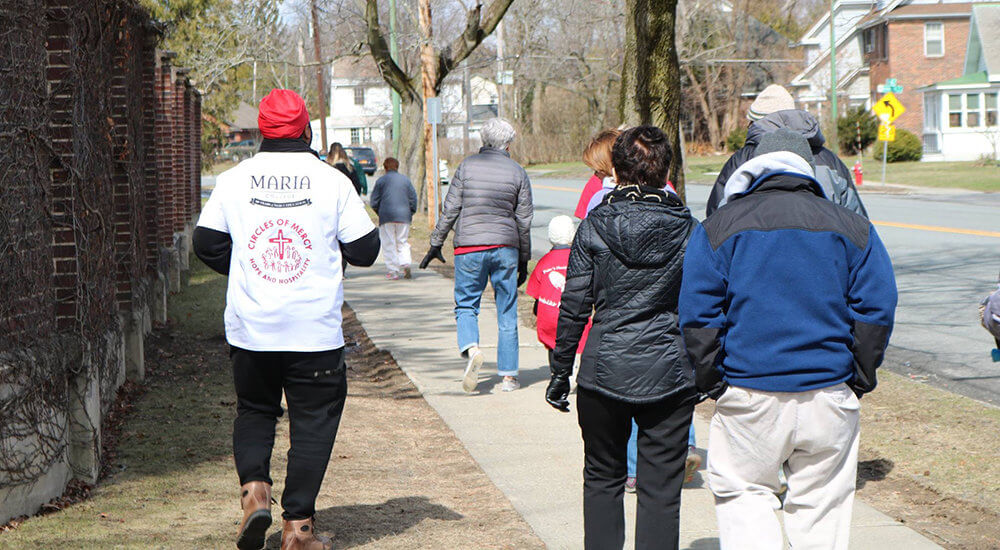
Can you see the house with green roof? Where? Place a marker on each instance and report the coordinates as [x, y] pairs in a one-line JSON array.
[[962, 115]]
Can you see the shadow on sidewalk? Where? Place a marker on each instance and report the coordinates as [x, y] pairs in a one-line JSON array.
[[358, 524]]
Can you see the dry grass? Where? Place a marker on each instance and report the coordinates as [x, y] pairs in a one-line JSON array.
[[398, 478]]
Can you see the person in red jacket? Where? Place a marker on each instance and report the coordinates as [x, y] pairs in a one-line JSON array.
[[593, 185], [548, 280]]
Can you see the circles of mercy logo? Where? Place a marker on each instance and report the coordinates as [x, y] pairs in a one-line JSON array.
[[280, 251]]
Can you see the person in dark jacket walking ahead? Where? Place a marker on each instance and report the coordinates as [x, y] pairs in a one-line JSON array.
[[625, 266], [489, 206], [394, 200], [786, 307], [278, 225], [773, 110]]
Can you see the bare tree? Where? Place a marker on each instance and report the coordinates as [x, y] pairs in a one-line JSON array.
[[436, 64]]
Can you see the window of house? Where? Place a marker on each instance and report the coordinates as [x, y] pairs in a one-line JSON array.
[[359, 95], [355, 136], [934, 39], [367, 135], [869, 40], [883, 42], [991, 109], [954, 110], [972, 114]]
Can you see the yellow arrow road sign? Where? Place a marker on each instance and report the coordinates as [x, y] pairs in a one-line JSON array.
[[888, 108]]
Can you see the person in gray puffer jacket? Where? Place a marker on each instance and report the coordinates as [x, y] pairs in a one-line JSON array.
[[804, 123], [489, 206], [625, 267]]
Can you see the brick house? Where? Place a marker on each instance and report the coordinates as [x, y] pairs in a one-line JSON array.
[[962, 115], [917, 42]]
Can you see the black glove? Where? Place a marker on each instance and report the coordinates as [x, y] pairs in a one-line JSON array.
[[522, 272], [433, 254], [558, 391]]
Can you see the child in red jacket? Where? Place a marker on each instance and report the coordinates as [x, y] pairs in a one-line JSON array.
[[548, 280]]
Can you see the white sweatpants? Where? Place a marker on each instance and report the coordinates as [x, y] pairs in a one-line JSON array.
[[813, 436], [395, 245]]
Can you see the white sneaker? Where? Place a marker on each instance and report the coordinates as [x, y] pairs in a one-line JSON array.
[[471, 378], [509, 383]]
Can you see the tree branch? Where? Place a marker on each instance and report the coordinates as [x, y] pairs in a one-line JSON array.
[[476, 30], [391, 72]]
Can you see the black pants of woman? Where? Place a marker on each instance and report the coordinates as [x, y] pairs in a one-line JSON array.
[[606, 424]]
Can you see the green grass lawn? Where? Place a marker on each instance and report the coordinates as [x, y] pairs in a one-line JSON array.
[[703, 169], [964, 175]]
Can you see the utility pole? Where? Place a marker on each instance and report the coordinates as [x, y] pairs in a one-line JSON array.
[[834, 144], [393, 52], [302, 68], [319, 74], [467, 97], [499, 32]]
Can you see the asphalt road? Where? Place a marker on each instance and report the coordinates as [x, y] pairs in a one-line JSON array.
[[945, 248]]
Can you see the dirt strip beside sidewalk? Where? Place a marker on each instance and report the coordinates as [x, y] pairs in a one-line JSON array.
[[398, 478]]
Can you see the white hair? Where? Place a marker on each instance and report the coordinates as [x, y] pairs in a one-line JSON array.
[[561, 230], [497, 133]]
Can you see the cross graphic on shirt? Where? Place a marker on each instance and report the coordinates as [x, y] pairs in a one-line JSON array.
[[280, 240]]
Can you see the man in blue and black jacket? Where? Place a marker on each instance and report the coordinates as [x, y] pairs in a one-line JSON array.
[[786, 306]]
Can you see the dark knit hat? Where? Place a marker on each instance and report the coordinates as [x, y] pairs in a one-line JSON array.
[[785, 140]]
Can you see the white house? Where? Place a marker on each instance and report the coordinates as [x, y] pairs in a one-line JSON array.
[[961, 119], [811, 87], [361, 106]]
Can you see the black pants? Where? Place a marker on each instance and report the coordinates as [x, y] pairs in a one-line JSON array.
[[606, 424], [315, 387]]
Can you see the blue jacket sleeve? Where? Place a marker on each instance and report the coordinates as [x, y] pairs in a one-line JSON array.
[[376, 197], [872, 298], [702, 310], [412, 194]]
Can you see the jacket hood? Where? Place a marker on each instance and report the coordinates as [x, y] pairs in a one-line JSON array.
[[795, 120], [641, 233]]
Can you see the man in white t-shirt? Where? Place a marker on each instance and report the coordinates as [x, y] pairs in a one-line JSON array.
[[278, 225]]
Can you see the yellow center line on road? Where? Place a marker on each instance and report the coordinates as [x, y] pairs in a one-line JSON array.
[[939, 229], [918, 227]]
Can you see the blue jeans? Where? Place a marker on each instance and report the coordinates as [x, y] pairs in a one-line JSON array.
[[472, 270], [633, 447]]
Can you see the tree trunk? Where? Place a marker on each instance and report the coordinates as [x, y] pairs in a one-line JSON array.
[[428, 78], [651, 84], [411, 146]]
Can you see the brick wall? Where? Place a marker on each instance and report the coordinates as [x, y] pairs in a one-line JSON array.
[[99, 172], [912, 69]]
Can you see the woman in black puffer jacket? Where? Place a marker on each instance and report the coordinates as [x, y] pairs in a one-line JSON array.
[[625, 267]]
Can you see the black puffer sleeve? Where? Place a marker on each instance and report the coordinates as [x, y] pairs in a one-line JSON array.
[[577, 299]]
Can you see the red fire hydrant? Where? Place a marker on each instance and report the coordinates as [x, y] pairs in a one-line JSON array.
[[857, 173]]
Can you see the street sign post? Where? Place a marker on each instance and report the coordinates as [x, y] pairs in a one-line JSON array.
[[887, 109], [886, 132]]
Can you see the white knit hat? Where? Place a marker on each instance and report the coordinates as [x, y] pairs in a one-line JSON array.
[[561, 231], [774, 98]]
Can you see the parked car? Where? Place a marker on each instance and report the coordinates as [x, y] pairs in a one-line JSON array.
[[443, 171], [238, 150], [365, 157]]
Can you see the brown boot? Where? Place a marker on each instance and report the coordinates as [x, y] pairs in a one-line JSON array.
[[299, 534], [255, 499]]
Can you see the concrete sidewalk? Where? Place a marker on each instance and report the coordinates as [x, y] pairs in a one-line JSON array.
[[532, 452]]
